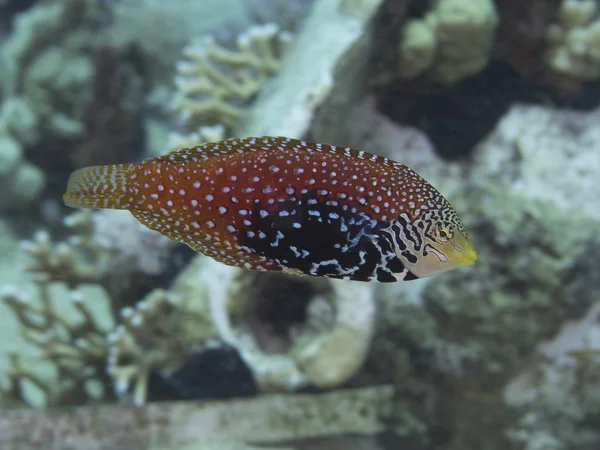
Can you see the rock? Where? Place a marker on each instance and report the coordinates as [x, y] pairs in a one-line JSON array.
[[528, 200], [545, 154]]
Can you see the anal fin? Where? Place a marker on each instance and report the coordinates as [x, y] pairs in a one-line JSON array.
[[154, 223], [205, 244]]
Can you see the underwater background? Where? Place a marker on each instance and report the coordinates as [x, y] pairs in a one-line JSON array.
[[115, 337]]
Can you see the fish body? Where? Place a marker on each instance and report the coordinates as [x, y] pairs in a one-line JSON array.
[[281, 204]]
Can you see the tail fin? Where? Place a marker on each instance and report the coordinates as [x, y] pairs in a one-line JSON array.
[[98, 187]]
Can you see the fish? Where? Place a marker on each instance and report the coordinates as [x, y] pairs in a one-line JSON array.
[[289, 205]]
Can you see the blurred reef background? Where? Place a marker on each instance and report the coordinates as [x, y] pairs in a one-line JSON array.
[[106, 326]]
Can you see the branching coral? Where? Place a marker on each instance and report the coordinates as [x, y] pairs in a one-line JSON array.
[[453, 41], [76, 264], [292, 331], [214, 84], [76, 347], [158, 334], [105, 248]]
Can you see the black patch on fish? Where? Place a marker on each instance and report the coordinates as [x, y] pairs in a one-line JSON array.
[[316, 236], [410, 276]]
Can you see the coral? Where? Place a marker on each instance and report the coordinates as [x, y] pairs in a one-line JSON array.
[[316, 69], [215, 84], [42, 73], [157, 334], [76, 347], [552, 42], [122, 255], [521, 36], [574, 41], [133, 25], [292, 331], [96, 267], [65, 263], [60, 104], [35, 29], [220, 75], [417, 48], [18, 120], [8, 9], [107, 248], [20, 181], [545, 43], [453, 41], [30, 78], [268, 420]]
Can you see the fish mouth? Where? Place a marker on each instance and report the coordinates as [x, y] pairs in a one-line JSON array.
[[469, 257], [466, 253]]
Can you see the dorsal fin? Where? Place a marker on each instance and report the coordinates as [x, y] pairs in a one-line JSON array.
[[234, 145]]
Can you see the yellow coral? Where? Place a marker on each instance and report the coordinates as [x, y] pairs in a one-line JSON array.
[[452, 42], [417, 48], [574, 42]]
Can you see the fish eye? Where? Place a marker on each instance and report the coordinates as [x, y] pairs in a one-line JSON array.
[[443, 233]]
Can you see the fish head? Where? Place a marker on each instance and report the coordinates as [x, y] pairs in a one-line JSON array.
[[446, 245]]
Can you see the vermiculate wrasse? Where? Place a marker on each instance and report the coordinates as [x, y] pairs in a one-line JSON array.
[[281, 204]]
